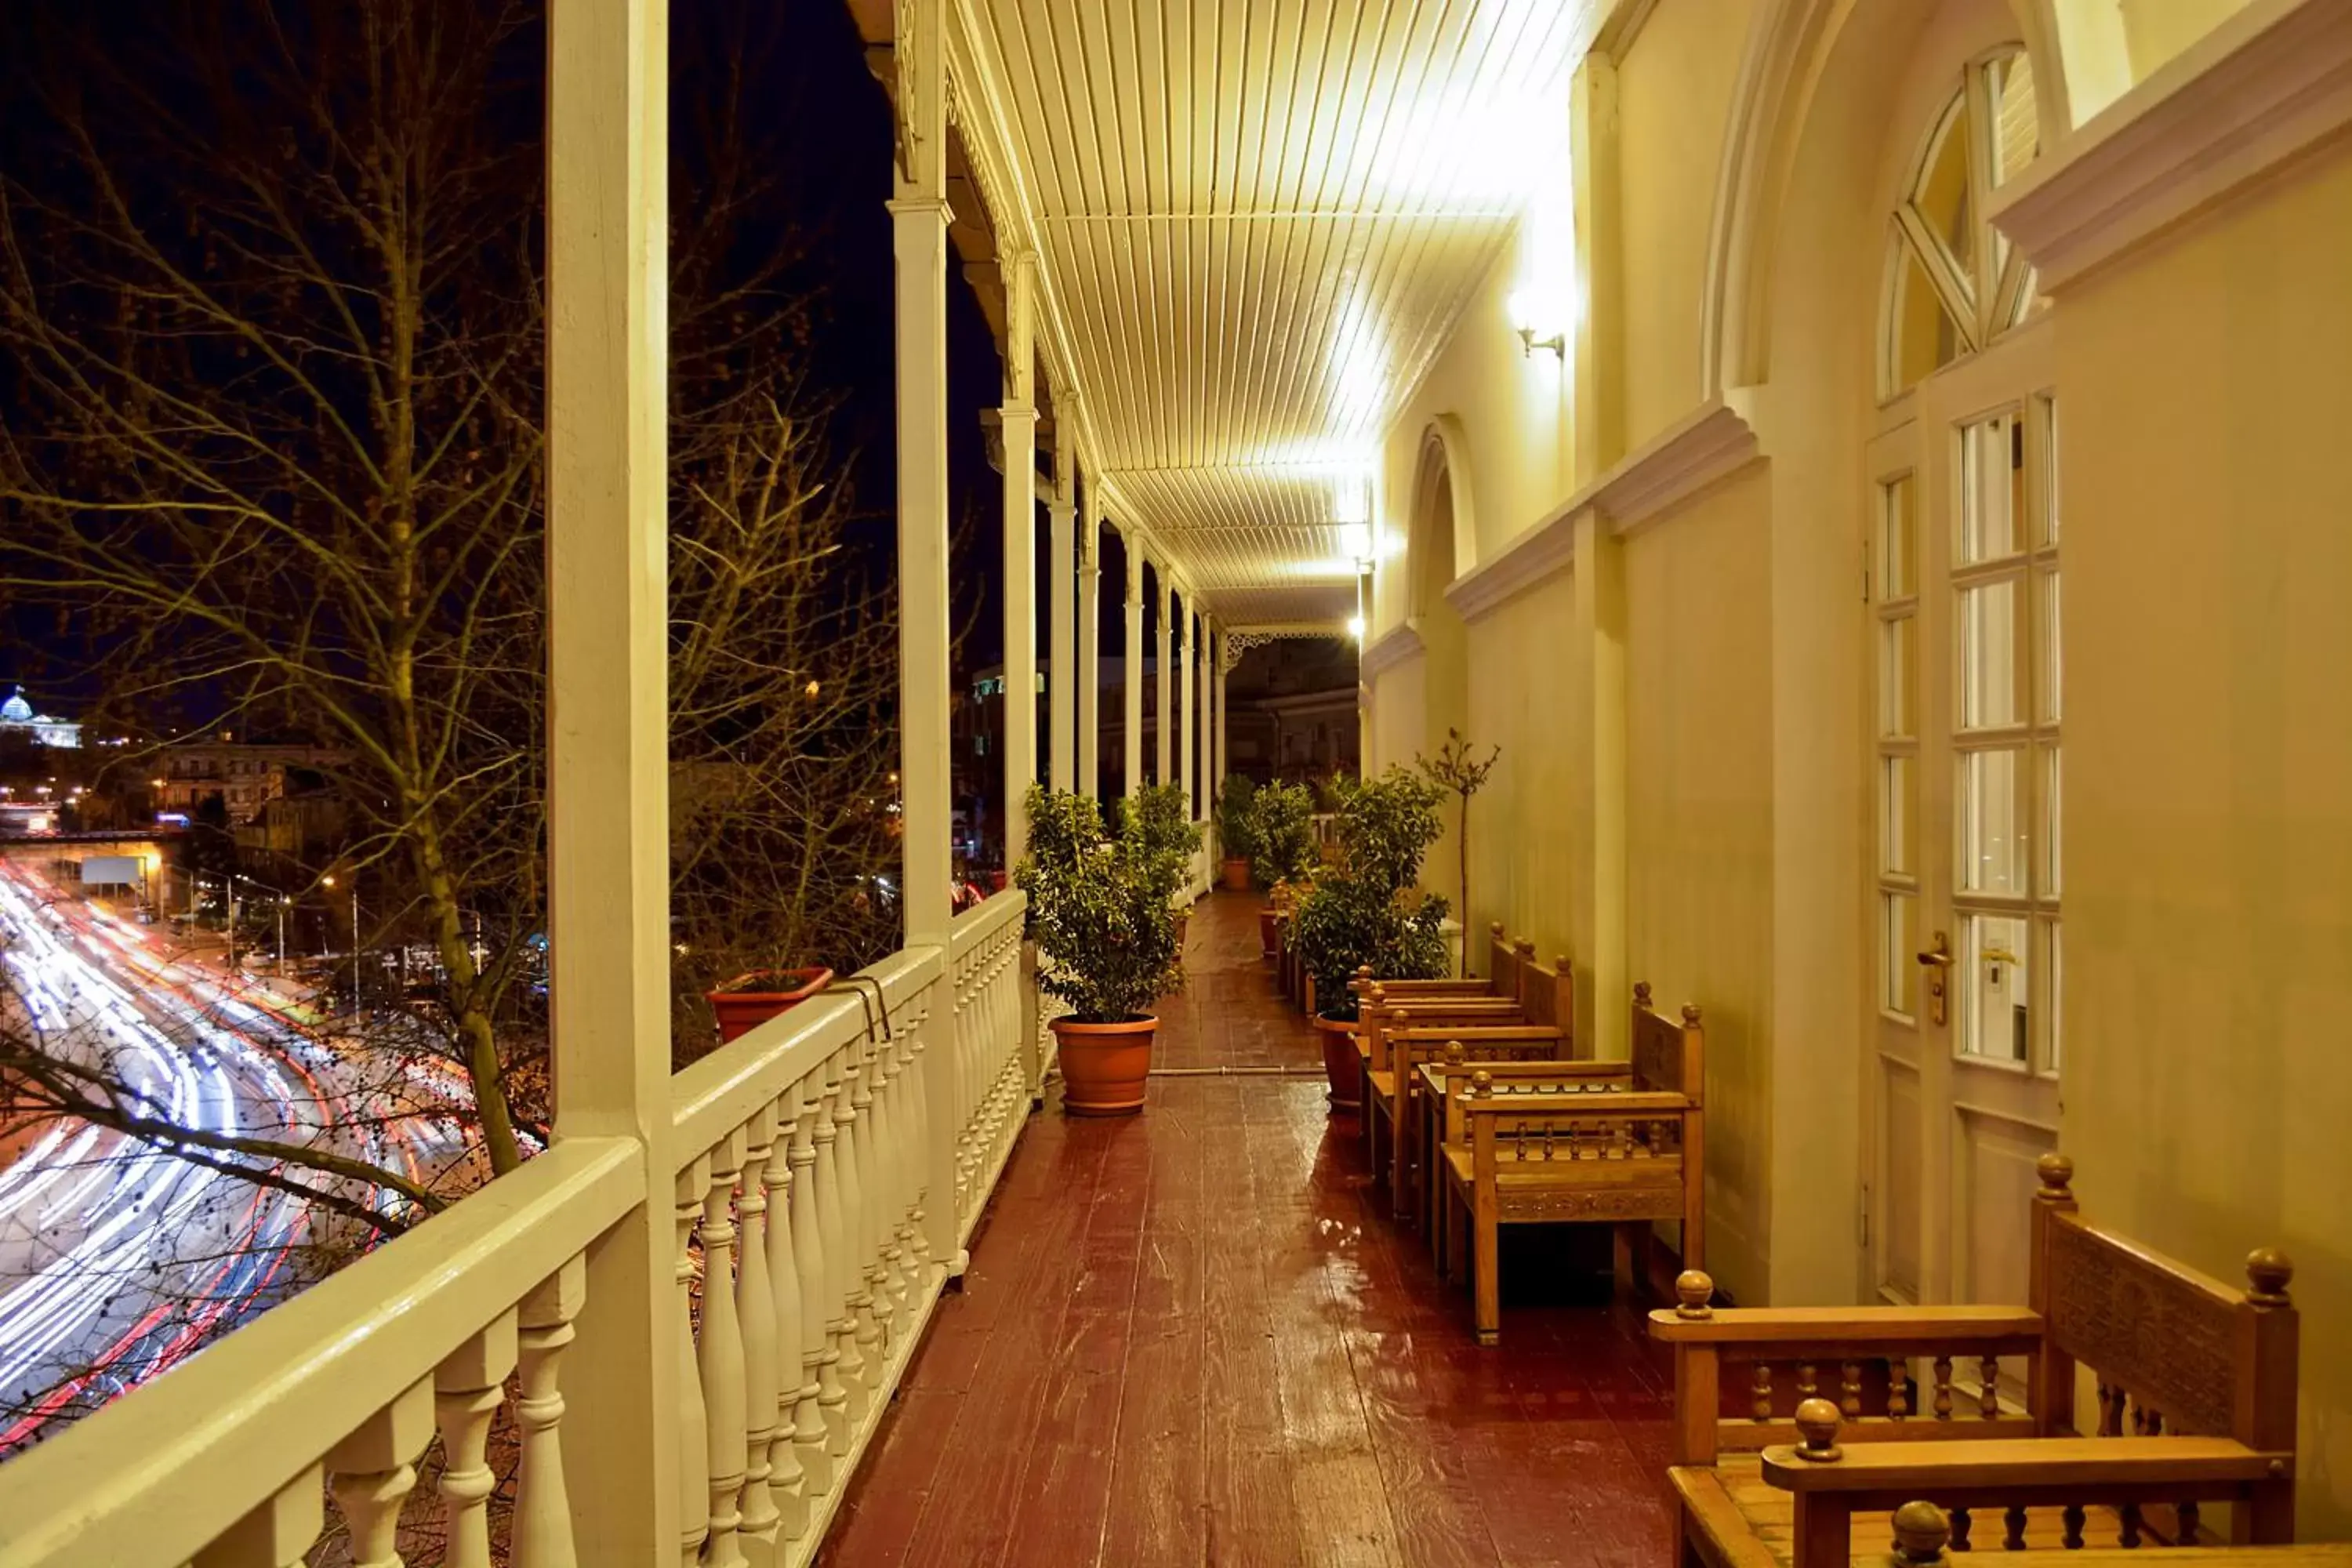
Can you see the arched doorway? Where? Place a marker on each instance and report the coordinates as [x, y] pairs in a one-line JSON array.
[[1434, 557]]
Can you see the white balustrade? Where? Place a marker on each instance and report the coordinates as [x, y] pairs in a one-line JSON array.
[[811, 1228]]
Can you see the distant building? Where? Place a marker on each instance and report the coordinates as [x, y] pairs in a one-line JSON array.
[[247, 775], [16, 716]]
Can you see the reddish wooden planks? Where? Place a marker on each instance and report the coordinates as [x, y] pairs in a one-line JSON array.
[[1194, 1337]]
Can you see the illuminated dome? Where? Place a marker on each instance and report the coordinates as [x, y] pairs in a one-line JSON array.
[[16, 710]]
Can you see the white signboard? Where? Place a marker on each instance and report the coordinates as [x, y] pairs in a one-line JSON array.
[[104, 871]]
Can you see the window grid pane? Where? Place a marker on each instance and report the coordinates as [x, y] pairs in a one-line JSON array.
[[1898, 970], [1992, 489], [1898, 664], [1987, 622], [1994, 981], [1991, 852], [1899, 816], [2046, 873], [1898, 575]]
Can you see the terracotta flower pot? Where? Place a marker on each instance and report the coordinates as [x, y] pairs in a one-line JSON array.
[[750, 1000], [1236, 875], [1342, 1066], [1269, 934], [1104, 1065]]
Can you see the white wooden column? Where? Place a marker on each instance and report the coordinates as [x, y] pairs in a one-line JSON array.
[[1132, 664], [608, 747], [918, 223], [1206, 795], [1061, 673], [1089, 678], [1188, 749], [1220, 658], [1018, 424], [1163, 769]]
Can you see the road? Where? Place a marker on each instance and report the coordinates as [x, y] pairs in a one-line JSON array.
[[117, 1259]]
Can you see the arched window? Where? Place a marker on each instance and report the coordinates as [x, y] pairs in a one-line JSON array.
[[1954, 283]]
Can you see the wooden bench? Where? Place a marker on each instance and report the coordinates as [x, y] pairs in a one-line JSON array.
[[1575, 1143], [1923, 1532], [2196, 1405]]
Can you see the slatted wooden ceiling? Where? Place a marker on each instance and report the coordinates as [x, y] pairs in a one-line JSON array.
[[1256, 222]]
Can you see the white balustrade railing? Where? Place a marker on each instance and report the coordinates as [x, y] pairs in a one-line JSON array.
[[222, 1461], [996, 1077], [826, 1172]]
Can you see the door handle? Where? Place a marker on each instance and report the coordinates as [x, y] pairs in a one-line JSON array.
[[1937, 962]]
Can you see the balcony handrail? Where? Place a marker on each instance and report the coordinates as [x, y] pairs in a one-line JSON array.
[[162, 1473], [976, 924], [713, 1096]]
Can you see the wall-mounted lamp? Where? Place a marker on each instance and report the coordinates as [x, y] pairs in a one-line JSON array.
[[1356, 540], [1356, 628], [1539, 325]]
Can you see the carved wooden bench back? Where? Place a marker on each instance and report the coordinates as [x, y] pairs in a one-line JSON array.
[[1669, 1054]]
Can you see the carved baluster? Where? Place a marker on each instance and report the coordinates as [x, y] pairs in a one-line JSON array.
[[719, 1356], [918, 1034], [810, 1443], [755, 1311], [277, 1534], [1989, 1387], [542, 1512], [2102, 1399], [1850, 1390], [891, 1155], [872, 1291], [2013, 1532], [832, 1219], [1962, 1521], [466, 1392], [2184, 1526], [374, 1470], [2072, 1517], [1760, 1384], [1898, 1389], [2155, 1423], [1808, 1383], [2128, 1517], [1943, 1388], [693, 1430], [781, 1513]]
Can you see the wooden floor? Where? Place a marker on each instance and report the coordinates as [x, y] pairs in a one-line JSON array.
[[1187, 1338]]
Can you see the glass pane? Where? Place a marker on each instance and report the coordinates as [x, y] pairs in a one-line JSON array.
[[1992, 489], [2052, 818], [1898, 963], [2051, 959], [1995, 1006], [2047, 648], [1989, 665], [1898, 814], [1924, 338], [1992, 823], [2046, 532], [2016, 135], [1898, 663], [1942, 198], [1898, 565]]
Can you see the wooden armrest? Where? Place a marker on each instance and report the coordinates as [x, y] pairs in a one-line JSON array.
[[2017, 1466], [1471, 1033], [1985, 1330]]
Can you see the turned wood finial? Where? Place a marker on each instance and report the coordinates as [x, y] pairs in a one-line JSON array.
[[1494, 928], [1455, 1053], [1559, 964], [1482, 1083], [1694, 1293], [1690, 1015], [2268, 1270], [1379, 994], [1640, 994], [1921, 1531], [1817, 1422], [2057, 1173]]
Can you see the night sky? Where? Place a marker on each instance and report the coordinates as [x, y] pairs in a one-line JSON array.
[[831, 119]]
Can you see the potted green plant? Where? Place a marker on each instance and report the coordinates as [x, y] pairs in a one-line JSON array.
[[1159, 819], [1365, 908], [750, 1000], [1102, 913], [1236, 830], [1457, 768], [1282, 844]]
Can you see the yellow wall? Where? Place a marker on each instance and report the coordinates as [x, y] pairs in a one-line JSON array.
[[1674, 98], [1519, 825], [2207, 858], [1698, 831]]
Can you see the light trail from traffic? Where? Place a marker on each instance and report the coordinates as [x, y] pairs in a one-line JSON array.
[[118, 1259]]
